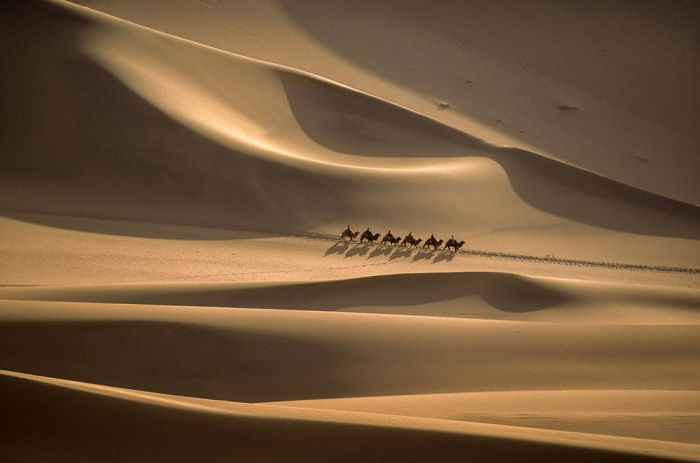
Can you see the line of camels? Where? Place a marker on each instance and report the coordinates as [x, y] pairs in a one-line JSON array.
[[409, 240]]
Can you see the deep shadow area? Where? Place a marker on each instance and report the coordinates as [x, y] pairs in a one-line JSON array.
[[449, 52], [350, 122], [173, 358], [503, 291], [76, 141]]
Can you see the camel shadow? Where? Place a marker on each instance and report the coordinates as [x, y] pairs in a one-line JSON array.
[[401, 252], [381, 251], [358, 250], [423, 254], [444, 256], [338, 247]]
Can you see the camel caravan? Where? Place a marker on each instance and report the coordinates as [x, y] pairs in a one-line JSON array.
[[408, 240]]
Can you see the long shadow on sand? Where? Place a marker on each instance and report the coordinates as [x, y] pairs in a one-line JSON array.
[[394, 252]]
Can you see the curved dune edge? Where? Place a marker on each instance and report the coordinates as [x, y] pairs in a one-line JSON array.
[[483, 295], [53, 393], [674, 415], [280, 69], [113, 50], [122, 60], [470, 73]]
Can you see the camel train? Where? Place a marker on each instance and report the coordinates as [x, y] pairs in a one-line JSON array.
[[409, 240]]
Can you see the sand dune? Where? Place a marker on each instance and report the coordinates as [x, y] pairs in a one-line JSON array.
[[186, 429], [265, 355], [501, 296], [504, 69], [661, 415], [173, 181], [253, 159], [247, 355]]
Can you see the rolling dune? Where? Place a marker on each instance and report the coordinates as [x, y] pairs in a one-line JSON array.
[[174, 179]]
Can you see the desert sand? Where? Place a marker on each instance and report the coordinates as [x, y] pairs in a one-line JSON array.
[[174, 177]]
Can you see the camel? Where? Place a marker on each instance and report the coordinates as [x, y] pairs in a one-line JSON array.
[[411, 241], [367, 235], [453, 243], [432, 241], [348, 233], [391, 240]]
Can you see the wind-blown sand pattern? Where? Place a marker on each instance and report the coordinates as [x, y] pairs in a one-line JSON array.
[[174, 177]]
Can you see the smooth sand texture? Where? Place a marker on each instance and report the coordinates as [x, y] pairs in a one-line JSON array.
[[174, 176]]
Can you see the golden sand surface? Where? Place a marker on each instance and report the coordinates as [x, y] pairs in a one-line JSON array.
[[174, 177]]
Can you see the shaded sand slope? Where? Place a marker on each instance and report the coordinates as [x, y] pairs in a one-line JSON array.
[[505, 71], [181, 430], [266, 355], [464, 294], [152, 127]]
